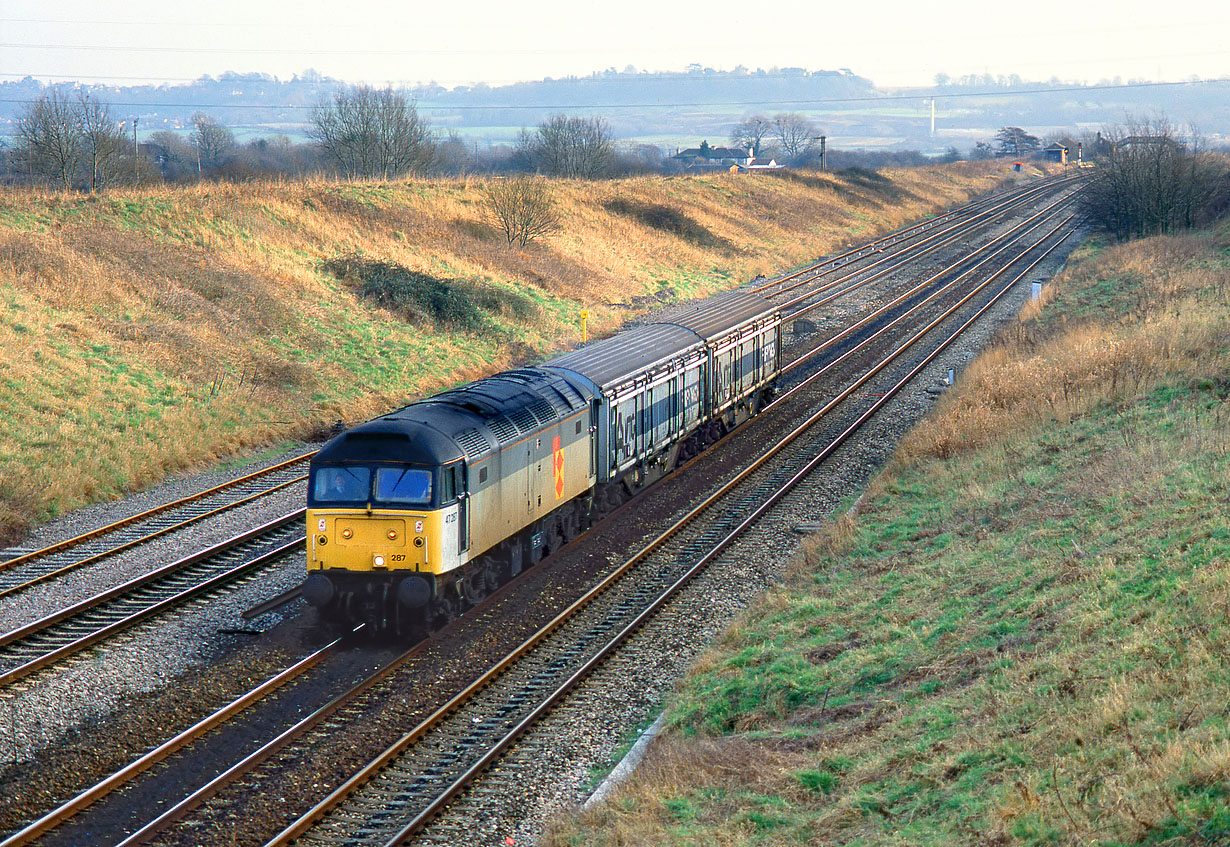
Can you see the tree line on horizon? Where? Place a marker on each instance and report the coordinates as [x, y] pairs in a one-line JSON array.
[[73, 142]]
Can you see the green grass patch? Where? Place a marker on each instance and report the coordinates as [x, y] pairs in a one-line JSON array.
[[463, 305]]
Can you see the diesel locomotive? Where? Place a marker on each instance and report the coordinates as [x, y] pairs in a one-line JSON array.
[[415, 516]]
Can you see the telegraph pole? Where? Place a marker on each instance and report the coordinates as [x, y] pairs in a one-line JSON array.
[[136, 155]]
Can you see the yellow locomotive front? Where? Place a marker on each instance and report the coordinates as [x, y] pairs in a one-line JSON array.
[[417, 515], [382, 539], [347, 530]]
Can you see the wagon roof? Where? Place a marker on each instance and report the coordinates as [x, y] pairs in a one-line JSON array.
[[612, 360], [715, 316]]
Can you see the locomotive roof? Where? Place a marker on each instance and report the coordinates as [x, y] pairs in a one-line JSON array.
[[471, 420], [395, 437], [613, 359], [715, 316]]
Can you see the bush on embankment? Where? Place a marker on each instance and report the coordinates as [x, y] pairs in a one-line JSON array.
[[152, 330], [1020, 636]]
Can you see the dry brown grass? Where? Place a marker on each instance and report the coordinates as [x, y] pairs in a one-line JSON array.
[[148, 331], [1054, 371], [674, 769]]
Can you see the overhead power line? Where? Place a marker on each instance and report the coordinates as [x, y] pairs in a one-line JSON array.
[[278, 51]]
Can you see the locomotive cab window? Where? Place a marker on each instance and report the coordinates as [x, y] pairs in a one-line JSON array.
[[452, 483], [404, 485], [342, 485]]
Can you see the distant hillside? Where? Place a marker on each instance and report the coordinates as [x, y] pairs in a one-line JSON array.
[[628, 100], [677, 109]]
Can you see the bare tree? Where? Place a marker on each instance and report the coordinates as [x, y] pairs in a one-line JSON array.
[[752, 132], [102, 143], [522, 208], [981, 151], [796, 134], [51, 131], [369, 132], [214, 143], [174, 156], [580, 148]]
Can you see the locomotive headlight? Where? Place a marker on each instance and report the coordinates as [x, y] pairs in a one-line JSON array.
[[378, 561], [392, 533], [347, 532]]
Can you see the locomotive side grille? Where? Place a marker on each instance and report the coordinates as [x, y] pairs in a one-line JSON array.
[[523, 419], [503, 429], [473, 443], [543, 411]]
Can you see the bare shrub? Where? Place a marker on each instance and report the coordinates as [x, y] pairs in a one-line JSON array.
[[522, 209], [1152, 180]]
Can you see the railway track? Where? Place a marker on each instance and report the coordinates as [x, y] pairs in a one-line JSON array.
[[69, 631], [909, 258], [670, 581], [911, 242], [29, 569], [971, 260]]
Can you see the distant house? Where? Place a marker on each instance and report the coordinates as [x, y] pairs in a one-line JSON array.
[[760, 163], [705, 157]]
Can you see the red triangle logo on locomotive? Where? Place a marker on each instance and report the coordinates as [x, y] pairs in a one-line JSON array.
[[559, 468]]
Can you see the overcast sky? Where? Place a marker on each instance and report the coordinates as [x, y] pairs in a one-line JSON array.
[[410, 41]]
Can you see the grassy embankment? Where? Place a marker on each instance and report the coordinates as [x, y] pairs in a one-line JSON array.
[[150, 331], [1020, 635]]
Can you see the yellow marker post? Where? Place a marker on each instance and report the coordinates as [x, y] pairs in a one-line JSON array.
[[584, 318]]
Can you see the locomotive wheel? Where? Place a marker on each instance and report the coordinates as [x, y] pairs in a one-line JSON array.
[[481, 577], [444, 610]]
